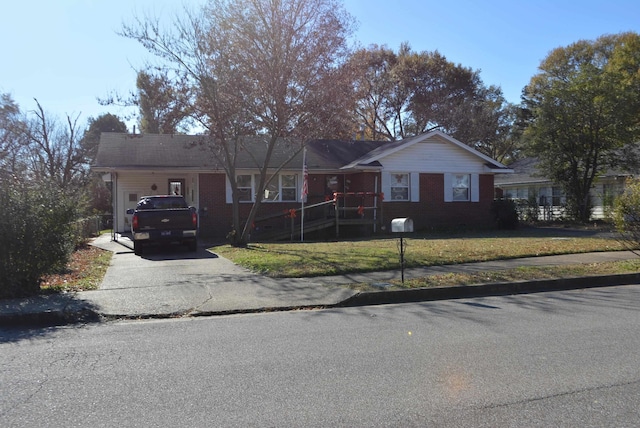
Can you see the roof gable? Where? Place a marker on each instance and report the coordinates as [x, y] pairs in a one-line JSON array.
[[394, 147]]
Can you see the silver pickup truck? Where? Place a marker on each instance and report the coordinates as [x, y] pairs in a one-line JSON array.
[[164, 218]]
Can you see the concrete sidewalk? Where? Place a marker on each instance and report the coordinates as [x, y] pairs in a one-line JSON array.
[[158, 286]]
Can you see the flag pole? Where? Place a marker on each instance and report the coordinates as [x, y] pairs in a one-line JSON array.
[[305, 190]]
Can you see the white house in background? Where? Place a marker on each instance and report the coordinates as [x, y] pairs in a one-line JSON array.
[[526, 182]]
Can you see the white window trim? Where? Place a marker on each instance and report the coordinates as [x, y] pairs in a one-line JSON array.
[[474, 191], [414, 186], [254, 185]]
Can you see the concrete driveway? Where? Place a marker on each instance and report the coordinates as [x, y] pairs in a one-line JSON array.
[[172, 281], [168, 283]]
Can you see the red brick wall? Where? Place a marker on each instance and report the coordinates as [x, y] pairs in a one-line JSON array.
[[215, 213], [433, 212], [430, 212]]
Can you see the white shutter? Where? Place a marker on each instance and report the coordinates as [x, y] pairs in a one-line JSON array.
[[415, 186], [229, 192], [475, 188], [386, 185], [448, 187]]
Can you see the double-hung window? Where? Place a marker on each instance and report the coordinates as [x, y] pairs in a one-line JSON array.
[[288, 187], [281, 188], [245, 188], [461, 187], [399, 187], [464, 188]]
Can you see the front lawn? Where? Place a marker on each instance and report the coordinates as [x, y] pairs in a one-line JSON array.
[[281, 260], [89, 264]]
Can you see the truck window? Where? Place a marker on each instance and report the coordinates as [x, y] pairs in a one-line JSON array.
[[161, 203]]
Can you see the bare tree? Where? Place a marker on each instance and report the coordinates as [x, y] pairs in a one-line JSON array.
[[269, 68], [54, 152]]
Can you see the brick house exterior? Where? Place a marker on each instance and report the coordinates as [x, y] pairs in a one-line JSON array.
[[432, 178]]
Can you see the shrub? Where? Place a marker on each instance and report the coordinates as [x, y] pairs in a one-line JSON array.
[[626, 215], [36, 234], [505, 213]]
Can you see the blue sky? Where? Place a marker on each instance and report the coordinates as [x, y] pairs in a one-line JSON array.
[[66, 53]]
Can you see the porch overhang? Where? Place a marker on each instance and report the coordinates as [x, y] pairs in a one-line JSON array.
[[361, 167]]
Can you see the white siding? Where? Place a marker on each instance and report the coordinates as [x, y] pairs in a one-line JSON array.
[[433, 156], [141, 184]]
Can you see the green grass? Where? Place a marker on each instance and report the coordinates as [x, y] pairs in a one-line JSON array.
[[282, 260], [524, 273]]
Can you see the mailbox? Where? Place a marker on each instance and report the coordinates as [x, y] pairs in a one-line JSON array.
[[401, 225]]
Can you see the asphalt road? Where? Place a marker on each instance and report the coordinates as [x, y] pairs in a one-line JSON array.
[[562, 359]]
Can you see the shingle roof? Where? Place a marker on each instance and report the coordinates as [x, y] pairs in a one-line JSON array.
[[335, 154], [525, 171], [192, 152], [144, 151], [152, 151]]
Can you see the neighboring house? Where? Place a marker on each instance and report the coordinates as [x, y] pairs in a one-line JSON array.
[[527, 184], [434, 179]]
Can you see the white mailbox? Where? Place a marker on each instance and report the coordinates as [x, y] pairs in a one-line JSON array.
[[401, 225]]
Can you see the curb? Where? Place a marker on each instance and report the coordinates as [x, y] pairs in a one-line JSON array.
[[485, 290], [79, 313], [50, 318]]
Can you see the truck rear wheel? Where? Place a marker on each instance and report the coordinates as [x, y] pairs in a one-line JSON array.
[[193, 245], [137, 248]]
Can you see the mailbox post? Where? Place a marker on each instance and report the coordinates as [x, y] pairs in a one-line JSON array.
[[402, 226]]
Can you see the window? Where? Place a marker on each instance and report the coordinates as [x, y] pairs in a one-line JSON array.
[[461, 187], [271, 192], [557, 196], [288, 186], [400, 187], [244, 188], [282, 188], [523, 193], [176, 187]]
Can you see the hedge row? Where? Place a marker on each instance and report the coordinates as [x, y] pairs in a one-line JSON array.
[[37, 236]]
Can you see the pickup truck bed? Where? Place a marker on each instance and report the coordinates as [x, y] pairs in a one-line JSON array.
[[167, 218]]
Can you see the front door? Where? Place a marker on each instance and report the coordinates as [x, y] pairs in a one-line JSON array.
[[176, 186], [130, 201]]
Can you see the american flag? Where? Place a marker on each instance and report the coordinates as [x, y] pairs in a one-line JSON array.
[[305, 180]]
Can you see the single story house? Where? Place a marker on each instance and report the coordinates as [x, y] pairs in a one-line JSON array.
[[432, 178], [527, 183]]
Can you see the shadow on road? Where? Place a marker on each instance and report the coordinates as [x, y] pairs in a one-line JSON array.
[[175, 252], [40, 316]]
